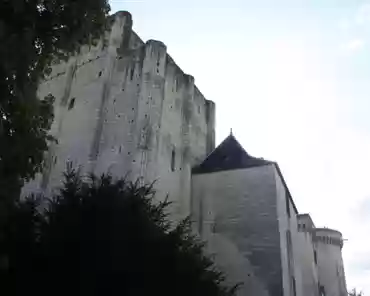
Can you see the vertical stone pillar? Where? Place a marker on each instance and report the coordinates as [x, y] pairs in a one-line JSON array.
[[118, 40], [183, 198], [150, 106], [210, 120]]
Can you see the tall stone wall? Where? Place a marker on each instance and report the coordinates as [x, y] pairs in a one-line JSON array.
[[287, 220], [125, 107], [236, 213]]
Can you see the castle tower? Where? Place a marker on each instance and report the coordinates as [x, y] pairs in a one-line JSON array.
[[329, 245], [320, 259], [125, 107]]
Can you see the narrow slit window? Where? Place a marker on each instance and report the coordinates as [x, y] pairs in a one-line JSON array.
[[175, 85], [294, 286], [287, 203], [173, 158], [71, 103], [322, 290]]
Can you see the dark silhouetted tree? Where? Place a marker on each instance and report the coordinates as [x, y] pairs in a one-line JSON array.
[[105, 237]]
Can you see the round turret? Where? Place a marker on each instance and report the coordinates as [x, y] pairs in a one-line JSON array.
[[328, 245]]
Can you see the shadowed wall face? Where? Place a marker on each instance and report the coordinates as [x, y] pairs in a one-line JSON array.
[[287, 220], [239, 209]]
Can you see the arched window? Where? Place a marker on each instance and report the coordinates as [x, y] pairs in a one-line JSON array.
[[173, 159]]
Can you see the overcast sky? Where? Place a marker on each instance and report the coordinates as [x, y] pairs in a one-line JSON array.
[[292, 79]]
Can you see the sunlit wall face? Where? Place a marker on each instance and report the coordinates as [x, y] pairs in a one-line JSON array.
[[291, 78]]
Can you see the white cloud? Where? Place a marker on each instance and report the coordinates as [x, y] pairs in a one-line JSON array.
[[355, 29], [363, 14], [354, 45]]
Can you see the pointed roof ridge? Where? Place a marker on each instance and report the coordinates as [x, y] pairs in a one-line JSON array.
[[233, 138], [224, 141], [228, 155], [229, 138]]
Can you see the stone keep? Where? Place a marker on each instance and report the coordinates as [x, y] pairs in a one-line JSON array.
[[125, 107]]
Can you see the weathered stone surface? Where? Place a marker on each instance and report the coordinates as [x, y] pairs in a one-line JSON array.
[[133, 108]]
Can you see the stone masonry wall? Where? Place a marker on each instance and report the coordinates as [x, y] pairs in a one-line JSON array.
[[236, 213], [287, 221], [125, 107]]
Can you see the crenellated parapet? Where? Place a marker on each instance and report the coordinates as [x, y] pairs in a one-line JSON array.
[[327, 236]]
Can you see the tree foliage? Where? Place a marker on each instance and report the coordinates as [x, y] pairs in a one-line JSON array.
[[105, 237], [354, 292], [33, 33]]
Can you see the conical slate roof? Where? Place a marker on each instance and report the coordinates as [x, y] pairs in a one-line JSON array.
[[229, 155]]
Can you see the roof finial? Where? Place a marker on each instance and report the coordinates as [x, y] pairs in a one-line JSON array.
[[231, 131]]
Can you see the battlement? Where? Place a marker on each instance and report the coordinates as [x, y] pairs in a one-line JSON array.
[[328, 236], [321, 235]]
